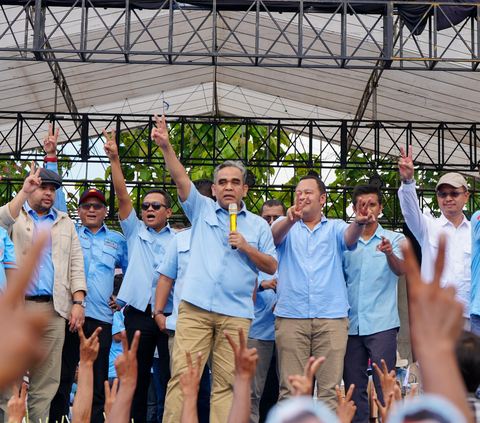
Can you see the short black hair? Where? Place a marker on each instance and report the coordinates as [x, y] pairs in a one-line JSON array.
[[204, 187], [273, 203], [468, 357], [364, 189], [166, 196], [321, 185]]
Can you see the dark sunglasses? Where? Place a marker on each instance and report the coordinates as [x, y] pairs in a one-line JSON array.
[[155, 206], [452, 194], [269, 218], [96, 206]]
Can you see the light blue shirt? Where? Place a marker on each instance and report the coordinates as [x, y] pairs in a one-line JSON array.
[[102, 251], [371, 285], [116, 348], [310, 282], [263, 325], [218, 278], [7, 256], [174, 265], [42, 279], [475, 283], [145, 252]]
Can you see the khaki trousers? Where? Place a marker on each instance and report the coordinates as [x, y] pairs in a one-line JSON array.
[[45, 376], [299, 339], [197, 330]]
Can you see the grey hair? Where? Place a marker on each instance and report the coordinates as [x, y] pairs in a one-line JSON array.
[[231, 163]]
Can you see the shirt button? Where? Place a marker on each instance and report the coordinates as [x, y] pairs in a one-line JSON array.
[[311, 296], [311, 267], [311, 280], [28, 229], [24, 252], [310, 252]]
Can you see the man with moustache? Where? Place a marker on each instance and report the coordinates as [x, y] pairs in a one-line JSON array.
[[147, 240], [58, 286]]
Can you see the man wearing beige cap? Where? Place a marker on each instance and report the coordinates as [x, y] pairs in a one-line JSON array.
[[452, 194]]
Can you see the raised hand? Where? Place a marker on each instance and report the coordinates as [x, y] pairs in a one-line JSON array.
[[346, 407], [190, 378], [16, 404], [245, 359], [25, 329], [126, 363], [303, 384], [50, 141], [295, 213], [160, 133], [388, 380], [33, 181], [389, 403], [405, 164], [89, 347], [110, 396], [364, 215], [110, 146], [385, 246]]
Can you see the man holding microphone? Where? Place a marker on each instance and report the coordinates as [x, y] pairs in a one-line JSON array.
[[220, 280]]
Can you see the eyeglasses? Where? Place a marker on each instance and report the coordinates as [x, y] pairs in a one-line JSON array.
[[452, 194], [269, 218], [155, 206], [96, 206]]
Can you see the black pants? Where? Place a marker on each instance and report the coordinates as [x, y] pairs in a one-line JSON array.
[[359, 350], [70, 357], [151, 337]]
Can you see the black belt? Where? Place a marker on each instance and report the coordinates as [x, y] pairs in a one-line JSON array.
[[38, 298]]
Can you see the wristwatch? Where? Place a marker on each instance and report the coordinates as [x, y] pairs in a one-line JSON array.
[[156, 313], [82, 303]]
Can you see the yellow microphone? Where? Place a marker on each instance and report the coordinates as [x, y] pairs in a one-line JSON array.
[[232, 211]]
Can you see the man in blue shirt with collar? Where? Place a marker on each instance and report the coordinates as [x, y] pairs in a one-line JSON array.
[[147, 240], [371, 273], [102, 250], [220, 280], [312, 308]]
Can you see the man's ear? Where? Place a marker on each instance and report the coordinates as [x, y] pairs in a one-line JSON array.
[[245, 190]]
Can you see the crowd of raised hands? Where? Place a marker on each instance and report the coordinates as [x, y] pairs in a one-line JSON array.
[[436, 325]]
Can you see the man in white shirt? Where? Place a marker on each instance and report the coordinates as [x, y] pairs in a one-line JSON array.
[[452, 195]]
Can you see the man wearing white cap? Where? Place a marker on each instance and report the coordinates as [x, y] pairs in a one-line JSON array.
[[452, 194]]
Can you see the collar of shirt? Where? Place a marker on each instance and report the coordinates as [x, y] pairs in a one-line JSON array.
[[166, 228], [51, 213], [324, 220], [378, 234], [444, 221], [218, 207], [84, 229]]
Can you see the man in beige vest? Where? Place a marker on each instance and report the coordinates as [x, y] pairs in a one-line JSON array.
[[58, 284]]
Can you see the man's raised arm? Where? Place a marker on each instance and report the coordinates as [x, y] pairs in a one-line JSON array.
[[125, 205], [281, 228], [174, 167]]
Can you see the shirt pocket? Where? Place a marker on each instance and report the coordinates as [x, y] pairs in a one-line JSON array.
[[109, 256], [65, 243], [2, 250]]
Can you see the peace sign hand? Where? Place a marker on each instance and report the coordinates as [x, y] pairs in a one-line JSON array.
[[295, 213], [405, 164], [33, 180], [160, 133], [364, 215], [110, 146], [50, 141]]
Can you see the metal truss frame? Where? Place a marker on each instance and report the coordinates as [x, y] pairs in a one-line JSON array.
[[438, 146], [291, 39]]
